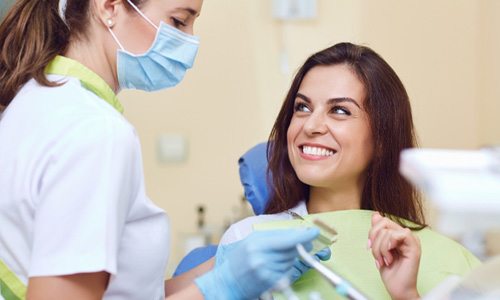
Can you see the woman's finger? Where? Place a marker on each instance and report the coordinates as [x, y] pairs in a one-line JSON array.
[[376, 217], [377, 248], [405, 242], [386, 247], [379, 224]]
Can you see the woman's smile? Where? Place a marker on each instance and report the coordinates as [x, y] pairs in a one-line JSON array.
[[316, 152]]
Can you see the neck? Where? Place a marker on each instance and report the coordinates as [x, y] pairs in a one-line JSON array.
[[93, 55], [332, 199]]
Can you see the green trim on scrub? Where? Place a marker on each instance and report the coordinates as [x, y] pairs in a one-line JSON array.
[[11, 288], [61, 65]]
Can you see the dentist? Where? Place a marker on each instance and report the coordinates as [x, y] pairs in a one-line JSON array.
[[75, 220]]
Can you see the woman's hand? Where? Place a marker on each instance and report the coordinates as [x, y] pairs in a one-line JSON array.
[[397, 256]]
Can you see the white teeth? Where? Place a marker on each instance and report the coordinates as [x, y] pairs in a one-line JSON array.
[[317, 151]]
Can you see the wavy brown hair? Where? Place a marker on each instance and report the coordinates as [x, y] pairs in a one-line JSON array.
[[32, 34], [388, 108]]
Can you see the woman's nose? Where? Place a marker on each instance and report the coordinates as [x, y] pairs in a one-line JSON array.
[[315, 124]]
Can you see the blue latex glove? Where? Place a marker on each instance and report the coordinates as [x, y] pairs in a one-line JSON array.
[[247, 268], [299, 267]]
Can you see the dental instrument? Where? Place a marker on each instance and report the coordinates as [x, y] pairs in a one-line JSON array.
[[327, 234], [342, 286]]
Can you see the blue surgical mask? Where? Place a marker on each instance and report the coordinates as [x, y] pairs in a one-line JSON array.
[[163, 65]]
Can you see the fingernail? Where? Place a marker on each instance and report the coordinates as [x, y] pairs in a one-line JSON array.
[[389, 245], [386, 262], [369, 244], [377, 264]]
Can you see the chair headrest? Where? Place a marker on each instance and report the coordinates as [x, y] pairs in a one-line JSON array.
[[254, 177]]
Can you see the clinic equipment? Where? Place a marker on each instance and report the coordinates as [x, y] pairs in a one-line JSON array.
[[464, 185], [482, 283], [342, 286], [327, 236], [252, 166], [465, 188], [284, 286]]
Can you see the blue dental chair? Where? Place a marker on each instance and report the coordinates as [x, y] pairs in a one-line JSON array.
[[253, 177]]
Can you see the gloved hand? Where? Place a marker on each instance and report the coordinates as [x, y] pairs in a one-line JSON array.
[[299, 267], [249, 267]]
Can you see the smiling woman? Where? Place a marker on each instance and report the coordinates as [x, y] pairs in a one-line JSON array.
[[348, 99], [322, 147], [334, 149]]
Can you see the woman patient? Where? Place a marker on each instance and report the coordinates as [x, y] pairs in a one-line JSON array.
[[335, 148]]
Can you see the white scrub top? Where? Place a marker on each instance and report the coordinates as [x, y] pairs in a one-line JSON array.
[[72, 196]]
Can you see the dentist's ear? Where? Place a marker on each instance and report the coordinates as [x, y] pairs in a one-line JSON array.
[[106, 11]]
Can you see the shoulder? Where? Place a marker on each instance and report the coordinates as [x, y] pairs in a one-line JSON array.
[[443, 251], [58, 128], [243, 228], [69, 100], [67, 110]]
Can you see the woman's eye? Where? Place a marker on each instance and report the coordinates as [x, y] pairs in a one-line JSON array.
[[341, 111], [178, 23], [302, 107]]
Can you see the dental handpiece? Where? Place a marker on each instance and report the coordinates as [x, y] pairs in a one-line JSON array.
[[342, 286]]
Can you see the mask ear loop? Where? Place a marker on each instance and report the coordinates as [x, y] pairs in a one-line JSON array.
[[110, 24], [142, 14]]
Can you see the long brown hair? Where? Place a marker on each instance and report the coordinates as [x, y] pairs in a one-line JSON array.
[[389, 111], [31, 35]]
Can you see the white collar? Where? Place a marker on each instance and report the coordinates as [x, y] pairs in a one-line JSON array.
[[300, 209]]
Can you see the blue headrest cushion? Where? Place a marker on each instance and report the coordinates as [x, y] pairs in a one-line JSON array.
[[254, 178]]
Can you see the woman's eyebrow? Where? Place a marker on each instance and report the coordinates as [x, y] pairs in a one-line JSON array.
[[303, 97], [342, 99], [331, 101]]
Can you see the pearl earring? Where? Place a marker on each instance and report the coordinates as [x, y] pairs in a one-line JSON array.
[[110, 22]]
